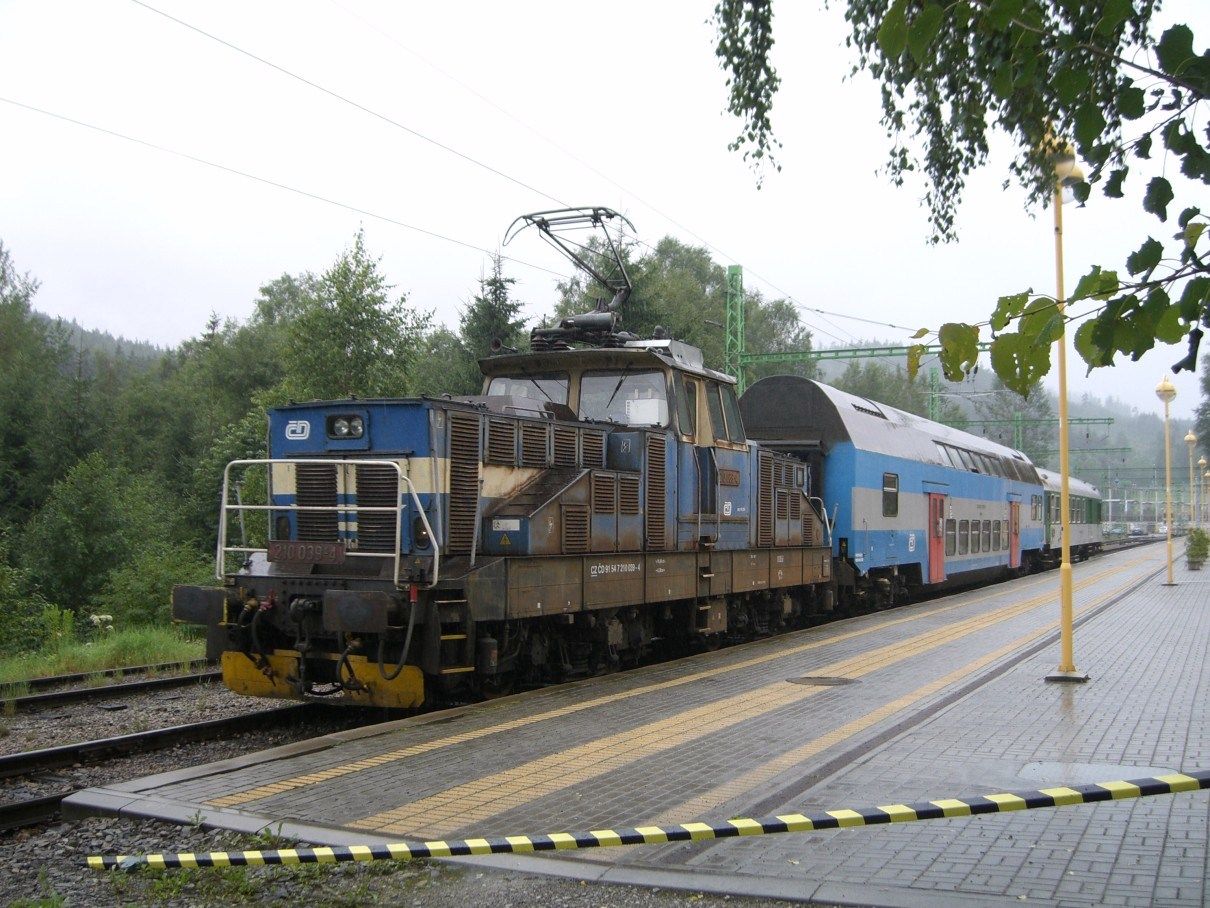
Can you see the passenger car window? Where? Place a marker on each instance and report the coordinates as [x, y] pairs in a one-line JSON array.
[[890, 494], [951, 536], [987, 535], [964, 536]]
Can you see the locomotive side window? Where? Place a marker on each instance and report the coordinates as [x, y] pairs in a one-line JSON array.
[[715, 404], [890, 494], [552, 386], [951, 536], [628, 398], [735, 425], [686, 404]]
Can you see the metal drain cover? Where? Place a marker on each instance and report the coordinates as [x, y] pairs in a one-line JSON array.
[[822, 681]]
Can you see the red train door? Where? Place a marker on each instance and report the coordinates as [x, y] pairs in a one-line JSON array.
[[936, 537], [1014, 534]]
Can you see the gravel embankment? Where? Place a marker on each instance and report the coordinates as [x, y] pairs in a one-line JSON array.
[[44, 866]]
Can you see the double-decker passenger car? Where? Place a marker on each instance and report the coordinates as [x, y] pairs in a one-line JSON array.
[[913, 504]]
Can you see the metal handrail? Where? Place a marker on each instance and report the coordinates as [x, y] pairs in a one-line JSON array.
[[269, 462]]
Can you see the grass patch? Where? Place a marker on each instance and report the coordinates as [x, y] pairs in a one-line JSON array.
[[134, 646]]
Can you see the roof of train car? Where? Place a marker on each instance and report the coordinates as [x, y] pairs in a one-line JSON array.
[[791, 408], [666, 351], [1075, 486]]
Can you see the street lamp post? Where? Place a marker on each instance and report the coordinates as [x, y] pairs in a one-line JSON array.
[[1066, 174], [1201, 511], [1191, 441], [1166, 391]]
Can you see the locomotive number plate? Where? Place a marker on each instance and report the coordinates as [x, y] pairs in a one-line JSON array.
[[306, 552]]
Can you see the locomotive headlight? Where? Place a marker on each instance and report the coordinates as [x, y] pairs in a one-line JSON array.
[[348, 426], [420, 536]]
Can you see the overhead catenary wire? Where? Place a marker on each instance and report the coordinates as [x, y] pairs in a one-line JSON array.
[[274, 183], [383, 117], [347, 100]]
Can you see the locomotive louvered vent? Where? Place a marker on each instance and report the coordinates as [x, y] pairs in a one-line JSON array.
[[604, 493], [795, 504], [315, 486], [628, 494], [764, 501], [575, 528], [808, 529], [565, 447], [502, 442], [377, 487], [464, 482], [656, 493], [783, 504], [534, 450], [594, 449]]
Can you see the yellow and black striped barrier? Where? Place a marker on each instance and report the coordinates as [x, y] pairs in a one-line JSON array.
[[683, 832]]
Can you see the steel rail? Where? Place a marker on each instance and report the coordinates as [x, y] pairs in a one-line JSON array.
[[100, 749], [82, 694], [47, 681]]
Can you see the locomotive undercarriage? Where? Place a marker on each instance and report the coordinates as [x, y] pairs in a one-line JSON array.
[[278, 643]]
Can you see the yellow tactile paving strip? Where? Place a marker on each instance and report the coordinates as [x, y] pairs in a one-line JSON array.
[[475, 801], [273, 788], [757, 778]]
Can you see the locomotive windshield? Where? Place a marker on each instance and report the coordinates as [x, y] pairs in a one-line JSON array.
[[628, 397], [548, 386]]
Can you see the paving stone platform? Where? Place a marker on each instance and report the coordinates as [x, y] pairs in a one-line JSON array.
[[940, 699]]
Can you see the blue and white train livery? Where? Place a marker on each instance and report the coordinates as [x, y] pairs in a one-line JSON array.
[[913, 503]]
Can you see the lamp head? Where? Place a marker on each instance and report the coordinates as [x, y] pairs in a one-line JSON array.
[[1190, 440], [1201, 462], [1166, 390]]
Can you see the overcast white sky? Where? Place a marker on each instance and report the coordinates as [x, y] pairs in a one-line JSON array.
[[618, 104]]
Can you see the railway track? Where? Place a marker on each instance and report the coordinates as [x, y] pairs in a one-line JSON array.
[[43, 808], [54, 681], [83, 694]]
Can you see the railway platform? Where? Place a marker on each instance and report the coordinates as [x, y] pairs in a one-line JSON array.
[[937, 700]]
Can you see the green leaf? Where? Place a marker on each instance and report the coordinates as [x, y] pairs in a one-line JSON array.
[[1159, 194], [1008, 308], [1113, 186], [1169, 328], [1194, 298], [1089, 123], [1070, 83], [1041, 323], [1096, 284], [1086, 345], [924, 30], [1188, 215], [1142, 148], [1175, 50], [1113, 14], [1193, 233], [1002, 80], [915, 352], [1018, 363], [1146, 257], [959, 349], [892, 33], [923, 332], [1132, 102], [1001, 13]]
